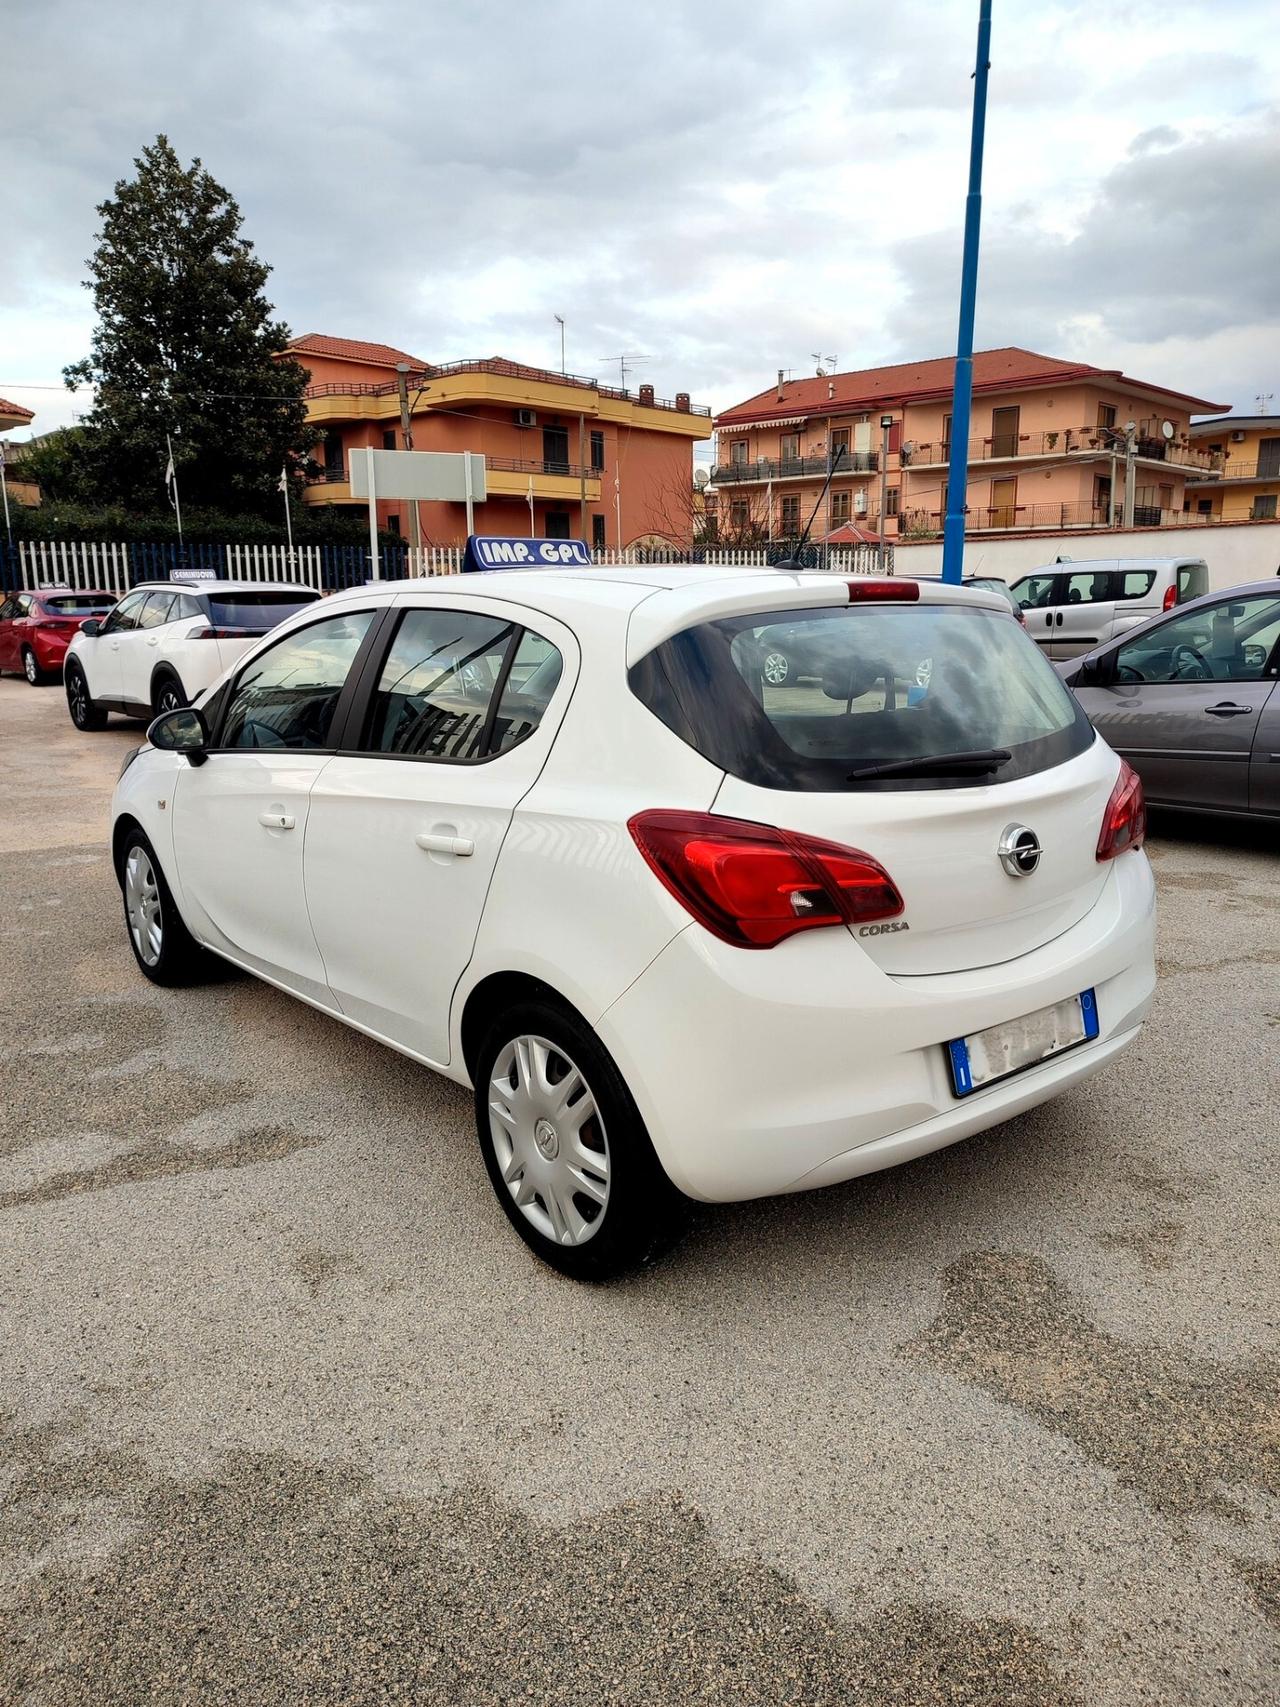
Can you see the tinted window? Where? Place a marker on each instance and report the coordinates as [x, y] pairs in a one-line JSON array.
[[155, 613], [256, 611], [1089, 587], [125, 615], [77, 604], [802, 699], [287, 697], [1193, 582], [1034, 591], [1133, 583], [1230, 642], [436, 688], [535, 674]]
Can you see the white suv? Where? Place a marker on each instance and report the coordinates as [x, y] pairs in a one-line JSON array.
[[165, 642], [688, 933]]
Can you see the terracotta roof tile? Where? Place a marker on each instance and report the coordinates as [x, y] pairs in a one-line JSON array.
[[352, 350], [7, 408]]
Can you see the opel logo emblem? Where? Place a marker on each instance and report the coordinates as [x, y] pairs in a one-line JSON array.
[[1019, 850]]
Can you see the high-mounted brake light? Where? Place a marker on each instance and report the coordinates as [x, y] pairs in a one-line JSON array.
[[754, 885], [881, 590], [1124, 823], [1170, 596]]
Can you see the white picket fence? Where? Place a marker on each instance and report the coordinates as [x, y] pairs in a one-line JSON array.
[[83, 566], [275, 563]]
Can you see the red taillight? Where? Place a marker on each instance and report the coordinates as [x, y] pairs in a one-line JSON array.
[[1170, 596], [753, 885], [883, 591], [1124, 823]]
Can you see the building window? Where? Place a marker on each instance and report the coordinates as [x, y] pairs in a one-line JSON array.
[[739, 513], [791, 514], [393, 524], [597, 532], [839, 508], [946, 439], [334, 466], [1204, 506], [840, 443], [558, 524], [1264, 508], [555, 457], [597, 450], [738, 453], [789, 447], [1107, 415], [1101, 497], [891, 501], [389, 438]]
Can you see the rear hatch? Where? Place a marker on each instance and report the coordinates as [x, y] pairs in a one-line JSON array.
[[922, 733]]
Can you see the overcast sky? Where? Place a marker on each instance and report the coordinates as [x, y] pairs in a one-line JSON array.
[[721, 188]]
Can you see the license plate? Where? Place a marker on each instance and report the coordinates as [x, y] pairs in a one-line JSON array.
[[1002, 1050]]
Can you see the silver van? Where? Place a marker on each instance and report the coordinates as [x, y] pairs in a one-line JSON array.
[[1069, 608]]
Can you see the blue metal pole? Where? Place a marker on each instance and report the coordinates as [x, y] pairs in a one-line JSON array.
[[958, 469]]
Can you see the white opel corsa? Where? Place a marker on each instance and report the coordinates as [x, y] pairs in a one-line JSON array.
[[688, 932]]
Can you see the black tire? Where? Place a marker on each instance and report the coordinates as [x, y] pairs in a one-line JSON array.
[[643, 1213], [86, 713], [178, 957], [167, 694], [33, 670]]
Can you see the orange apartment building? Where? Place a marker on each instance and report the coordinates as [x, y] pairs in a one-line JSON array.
[[598, 463], [1047, 449], [1246, 484]]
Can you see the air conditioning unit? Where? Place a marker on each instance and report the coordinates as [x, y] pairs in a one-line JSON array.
[[526, 418], [1237, 438], [860, 502]]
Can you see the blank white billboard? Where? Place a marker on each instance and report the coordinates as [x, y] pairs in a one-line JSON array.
[[418, 474]]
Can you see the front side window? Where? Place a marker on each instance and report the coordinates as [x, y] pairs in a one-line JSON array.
[[434, 695], [1230, 642], [818, 700], [287, 696], [124, 617], [1034, 592]]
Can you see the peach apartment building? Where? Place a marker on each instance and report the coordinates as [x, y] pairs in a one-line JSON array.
[[594, 462], [1046, 451], [1245, 485]]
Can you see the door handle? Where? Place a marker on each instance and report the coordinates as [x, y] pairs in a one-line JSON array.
[[153, 640], [1226, 709], [459, 846], [1059, 619], [277, 820]]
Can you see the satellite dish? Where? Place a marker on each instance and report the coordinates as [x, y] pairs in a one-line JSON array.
[[701, 477], [1168, 429]]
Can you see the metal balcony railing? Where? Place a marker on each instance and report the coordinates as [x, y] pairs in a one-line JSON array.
[[794, 467], [925, 523], [334, 473], [1266, 468], [506, 370], [1065, 441]]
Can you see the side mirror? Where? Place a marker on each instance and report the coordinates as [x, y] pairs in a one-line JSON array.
[[1098, 671], [91, 626], [181, 731]]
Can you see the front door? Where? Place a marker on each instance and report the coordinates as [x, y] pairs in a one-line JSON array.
[[1187, 700], [240, 819], [1004, 431], [1037, 597], [102, 657], [140, 650], [404, 836]]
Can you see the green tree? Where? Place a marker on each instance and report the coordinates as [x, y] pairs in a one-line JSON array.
[[186, 345]]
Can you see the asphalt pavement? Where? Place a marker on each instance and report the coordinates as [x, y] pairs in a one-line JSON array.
[[287, 1414]]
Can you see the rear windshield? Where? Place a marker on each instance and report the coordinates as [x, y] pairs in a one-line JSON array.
[[255, 610], [77, 604], [803, 699]]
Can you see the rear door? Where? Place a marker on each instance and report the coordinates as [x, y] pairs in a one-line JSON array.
[[1039, 597], [1088, 608], [1187, 701], [10, 610], [404, 834]]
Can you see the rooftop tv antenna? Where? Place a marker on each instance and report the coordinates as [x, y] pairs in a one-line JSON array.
[[1264, 399], [821, 360], [629, 359]]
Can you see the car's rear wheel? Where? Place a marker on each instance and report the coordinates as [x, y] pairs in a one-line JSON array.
[[162, 945], [86, 713], [167, 695], [566, 1149], [33, 670]]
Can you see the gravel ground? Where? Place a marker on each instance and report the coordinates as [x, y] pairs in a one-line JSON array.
[[288, 1415]]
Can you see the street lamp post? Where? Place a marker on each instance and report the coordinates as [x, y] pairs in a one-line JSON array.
[[1130, 451], [406, 432]]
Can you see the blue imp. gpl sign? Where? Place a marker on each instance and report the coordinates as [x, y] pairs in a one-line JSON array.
[[490, 551]]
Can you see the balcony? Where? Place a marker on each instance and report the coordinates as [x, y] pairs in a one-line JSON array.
[[1046, 518], [504, 370], [1066, 442], [794, 468], [505, 477], [1266, 468]]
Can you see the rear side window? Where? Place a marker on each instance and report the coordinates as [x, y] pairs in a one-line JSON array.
[[257, 611], [156, 611], [1133, 583], [1090, 587], [805, 699], [1193, 581], [535, 674], [288, 695]]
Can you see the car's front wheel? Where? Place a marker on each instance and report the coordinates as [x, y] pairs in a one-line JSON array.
[[162, 945], [566, 1149], [86, 713]]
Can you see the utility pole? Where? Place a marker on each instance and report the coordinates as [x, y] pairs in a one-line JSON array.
[[406, 432], [4, 487], [1130, 450], [559, 318], [958, 470], [886, 421]]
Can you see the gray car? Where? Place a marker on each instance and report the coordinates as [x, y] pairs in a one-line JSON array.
[[1191, 700]]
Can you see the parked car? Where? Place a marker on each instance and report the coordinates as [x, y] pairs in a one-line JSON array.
[[990, 584], [36, 628], [686, 934], [1070, 608], [164, 643], [1190, 701]]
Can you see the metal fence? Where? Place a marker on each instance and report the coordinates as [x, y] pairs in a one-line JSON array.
[[115, 567]]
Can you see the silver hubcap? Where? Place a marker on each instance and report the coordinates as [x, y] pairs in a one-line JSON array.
[[775, 668], [549, 1140], [142, 905], [29, 664]]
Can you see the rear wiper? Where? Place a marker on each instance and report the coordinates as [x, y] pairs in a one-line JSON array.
[[939, 764]]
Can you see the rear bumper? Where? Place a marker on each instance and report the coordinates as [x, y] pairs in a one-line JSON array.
[[762, 1073], [49, 647]]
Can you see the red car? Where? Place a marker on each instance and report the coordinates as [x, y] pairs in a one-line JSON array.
[[36, 629]]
